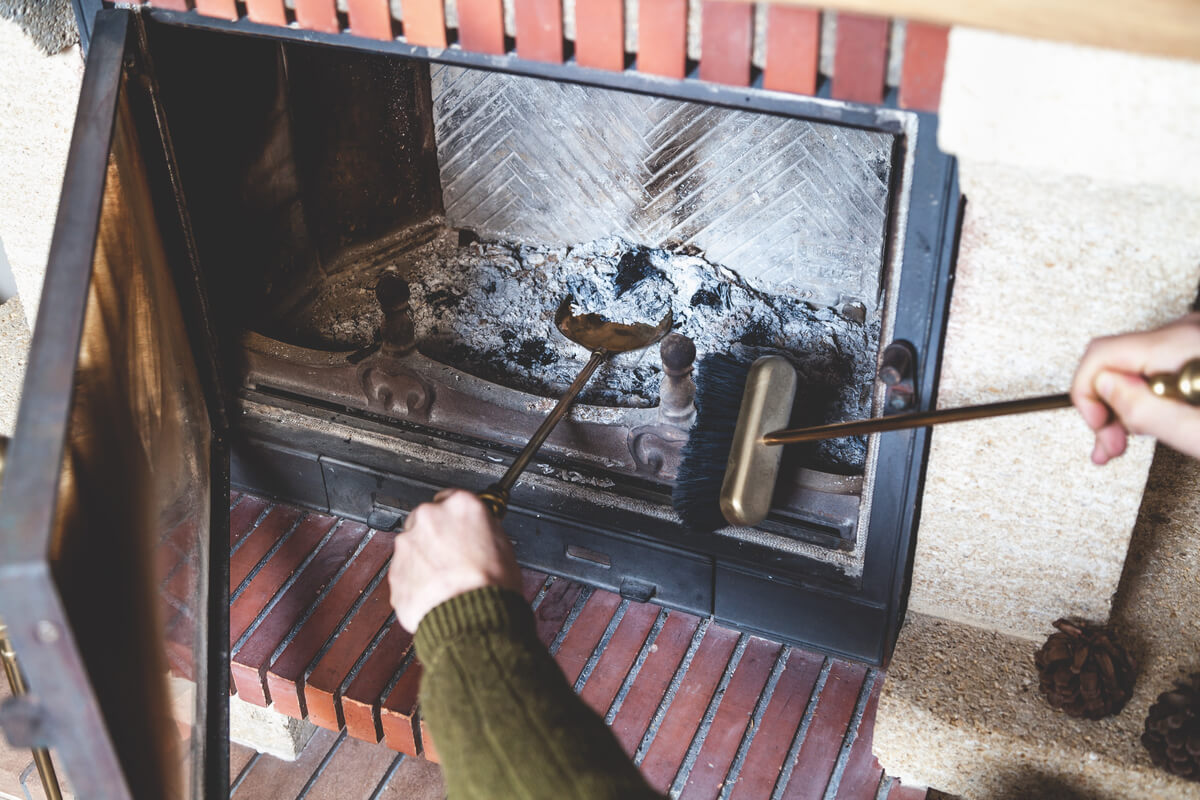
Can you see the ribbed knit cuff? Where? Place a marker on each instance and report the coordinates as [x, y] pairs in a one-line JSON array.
[[487, 610]]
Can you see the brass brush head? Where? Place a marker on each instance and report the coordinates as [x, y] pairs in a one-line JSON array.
[[753, 466]]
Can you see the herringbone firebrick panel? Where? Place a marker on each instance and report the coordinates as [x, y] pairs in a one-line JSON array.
[[796, 207]]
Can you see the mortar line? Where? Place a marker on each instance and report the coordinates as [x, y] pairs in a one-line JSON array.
[[237, 501], [710, 712], [312, 779], [573, 615], [405, 663], [262, 562], [313, 606], [851, 735], [362, 659], [381, 787], [756, 716], [541, 594], [885, 787], [632, 674], [789, 762], [245, 773], [345, 620], [669, 696], [287, 584], [600, 647], [258, 521]]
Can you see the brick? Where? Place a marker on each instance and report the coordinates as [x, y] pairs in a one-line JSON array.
[[321, 687], [899, 792], [180, 641], [539, 30], [259, 542], [652, 680], [662, 37], [707, 777], [166, 560], [172, 5], [785, 709], [250, 662], [234, 495], [353, 772], [239, 756], [370, 18], [317, 15], [184, 537], [424, 22], [272, 777], [398, 712], [585, 634], [360, 700], [481, 26], [417, 779], [860, 58], [285, 676], [224, 9], [427, 747], [863, 773], [243, 517], [818, 753], [182, 584], [793, 49], [683, 716], [555, 606], [531, 584], [281, 566], [268, 12], [924, 66], [622, 650], [725, 41], [600, 34]]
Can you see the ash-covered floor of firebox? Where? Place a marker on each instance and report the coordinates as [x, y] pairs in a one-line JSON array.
[[487, 308]]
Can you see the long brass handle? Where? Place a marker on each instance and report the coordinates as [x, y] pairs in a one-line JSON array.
[[919, 419], [1183, 385], [496, 495]]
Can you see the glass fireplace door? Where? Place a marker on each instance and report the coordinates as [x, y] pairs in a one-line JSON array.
[[106, 509]]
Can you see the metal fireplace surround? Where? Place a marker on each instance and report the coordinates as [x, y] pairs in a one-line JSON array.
[[206, 100]]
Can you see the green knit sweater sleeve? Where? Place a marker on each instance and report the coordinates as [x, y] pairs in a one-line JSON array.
[[504, 720]]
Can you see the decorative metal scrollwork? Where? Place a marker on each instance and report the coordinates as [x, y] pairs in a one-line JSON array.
[[395, 390]]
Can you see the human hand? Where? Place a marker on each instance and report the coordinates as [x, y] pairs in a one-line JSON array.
[[1115, 400], [447, 548]]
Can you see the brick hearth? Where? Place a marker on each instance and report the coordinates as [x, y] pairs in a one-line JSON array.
[[705, 710]]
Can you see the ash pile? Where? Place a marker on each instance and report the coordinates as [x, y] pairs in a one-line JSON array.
[[487, 308]]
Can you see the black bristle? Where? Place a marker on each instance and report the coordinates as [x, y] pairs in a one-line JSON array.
[[720, 383]]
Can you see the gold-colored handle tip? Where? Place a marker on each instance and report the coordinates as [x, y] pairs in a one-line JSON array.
[[496, 499], [1182, 385]]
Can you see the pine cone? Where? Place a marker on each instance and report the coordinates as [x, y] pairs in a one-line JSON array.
[[1084, 671], [1173, 729]]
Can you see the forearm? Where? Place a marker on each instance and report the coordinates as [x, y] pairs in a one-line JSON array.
[[505, 720]]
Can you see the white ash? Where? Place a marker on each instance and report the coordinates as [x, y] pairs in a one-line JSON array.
[[488, 308]]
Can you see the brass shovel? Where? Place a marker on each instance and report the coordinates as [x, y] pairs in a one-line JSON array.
[[603, 338]]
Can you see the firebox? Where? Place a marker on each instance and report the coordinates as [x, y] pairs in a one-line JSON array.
[[330, 273]]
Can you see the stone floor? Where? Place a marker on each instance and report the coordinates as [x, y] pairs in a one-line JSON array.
[[14, 347], [961, 709]]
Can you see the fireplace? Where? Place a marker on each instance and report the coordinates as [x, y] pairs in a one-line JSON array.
[[404, 232], [368, 242]]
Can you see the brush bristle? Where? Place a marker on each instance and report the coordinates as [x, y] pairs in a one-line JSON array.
[[720, 383]]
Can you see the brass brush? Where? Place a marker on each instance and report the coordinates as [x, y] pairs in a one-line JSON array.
[[770, 391]]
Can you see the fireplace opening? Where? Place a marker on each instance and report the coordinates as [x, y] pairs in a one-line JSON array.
[[313, 176]]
